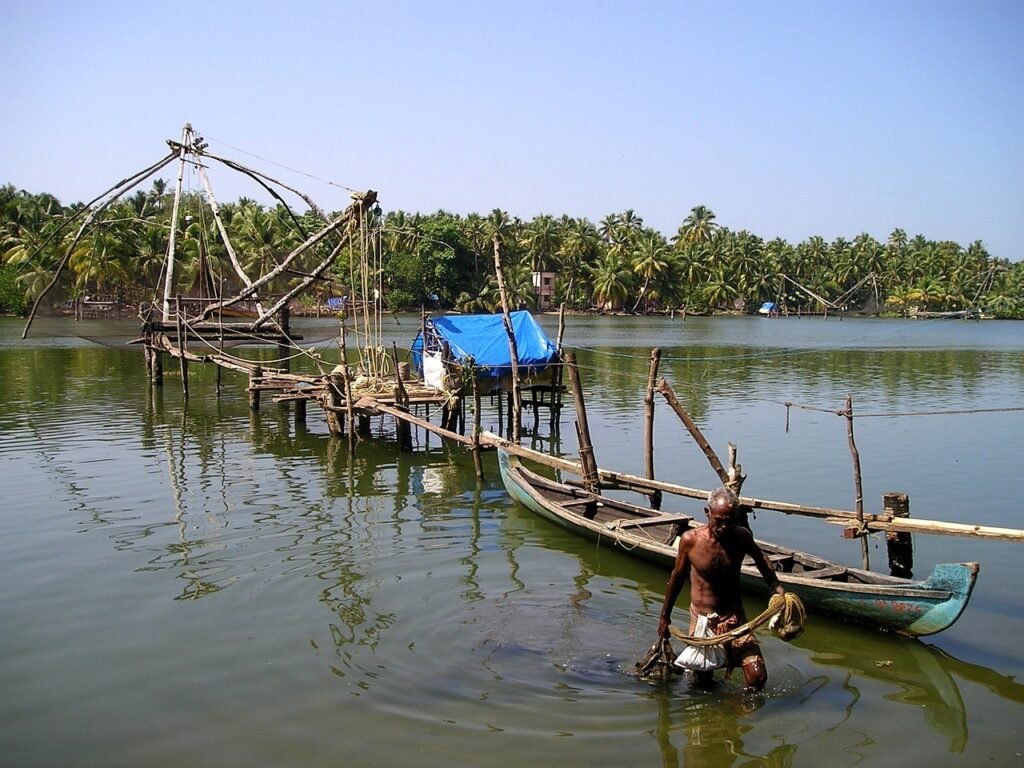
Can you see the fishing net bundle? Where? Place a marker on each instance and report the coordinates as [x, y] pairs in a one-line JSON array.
[[659, 663]]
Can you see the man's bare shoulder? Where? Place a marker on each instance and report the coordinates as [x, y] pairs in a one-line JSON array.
[[691, 538]]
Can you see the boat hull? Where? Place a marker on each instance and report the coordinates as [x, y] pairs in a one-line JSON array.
[[883, 602]]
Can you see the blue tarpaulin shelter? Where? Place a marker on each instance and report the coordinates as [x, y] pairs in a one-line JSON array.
[[483, 338]]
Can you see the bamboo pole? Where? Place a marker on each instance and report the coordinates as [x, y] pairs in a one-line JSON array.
[[858, 489], [232, 256], [591, 479], [666, 390], [517, 395], [169, 272], [649, 414]]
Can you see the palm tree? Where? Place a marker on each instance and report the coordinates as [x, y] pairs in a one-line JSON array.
[[698, 227], [612, 281], [541, 240], [719, 292], [650, 259]]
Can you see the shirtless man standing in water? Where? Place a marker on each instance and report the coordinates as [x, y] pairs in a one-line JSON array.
[[711, 557]]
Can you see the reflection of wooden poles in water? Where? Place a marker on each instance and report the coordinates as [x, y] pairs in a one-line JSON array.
[[517, 397], [858, 489], [591, 480]]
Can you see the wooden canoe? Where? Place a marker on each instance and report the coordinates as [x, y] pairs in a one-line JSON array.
[[876, 600]]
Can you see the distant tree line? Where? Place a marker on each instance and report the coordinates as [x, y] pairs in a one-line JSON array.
[[446, 260]]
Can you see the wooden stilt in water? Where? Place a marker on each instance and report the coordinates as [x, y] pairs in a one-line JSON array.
[[900, 545], [157, 377], [300, 413], [182, 360], [557, 375], [478, 462], [403, 429], [334, 389], [283, 349], [649, 414], [254, 391]]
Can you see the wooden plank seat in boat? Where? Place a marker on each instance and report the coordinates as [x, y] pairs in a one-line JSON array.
[[580, 503], [778, 560], [646, 522], [828, 572]]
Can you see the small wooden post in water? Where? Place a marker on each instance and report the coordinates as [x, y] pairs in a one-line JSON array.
[[283, 349], [157, 377], [900, 545], [254, 388], [403, 429], [859, 508], [649, 414], [335, 382]]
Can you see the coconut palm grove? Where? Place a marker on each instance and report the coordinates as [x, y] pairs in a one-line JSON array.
[[446, 260]]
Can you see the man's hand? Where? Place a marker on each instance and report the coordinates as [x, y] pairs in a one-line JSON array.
[[663, 627]]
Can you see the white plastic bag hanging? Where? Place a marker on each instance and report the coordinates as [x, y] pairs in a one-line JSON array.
[[703, 658]]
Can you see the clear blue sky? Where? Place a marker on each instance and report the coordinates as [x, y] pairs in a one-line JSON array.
[[786, 119]]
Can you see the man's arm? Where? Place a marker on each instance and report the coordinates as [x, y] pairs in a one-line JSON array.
[[680, 572], [767, 572]]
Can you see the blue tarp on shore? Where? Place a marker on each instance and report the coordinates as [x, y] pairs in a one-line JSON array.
[[483, 338]]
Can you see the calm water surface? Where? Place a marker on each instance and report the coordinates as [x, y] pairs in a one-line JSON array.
[[188, 583]]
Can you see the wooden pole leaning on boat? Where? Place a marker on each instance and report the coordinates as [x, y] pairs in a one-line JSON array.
[[670, 397], [591, 478]]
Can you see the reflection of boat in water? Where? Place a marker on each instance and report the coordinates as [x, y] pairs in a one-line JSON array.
[[924, 677], [852, 594], [916, 671]]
